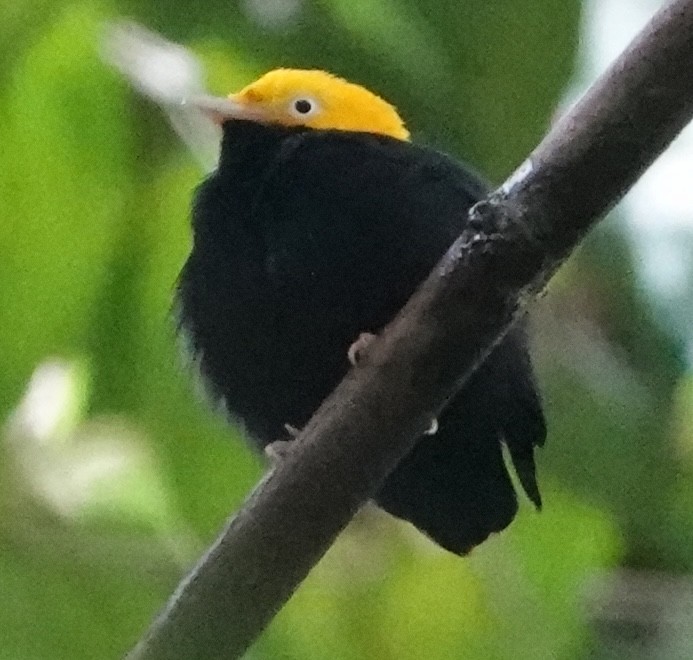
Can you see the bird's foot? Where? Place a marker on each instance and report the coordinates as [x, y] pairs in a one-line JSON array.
[[358, 348], [433, 428], [292, 430], [278, 450]]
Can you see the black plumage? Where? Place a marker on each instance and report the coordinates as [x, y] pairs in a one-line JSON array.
[[303, 239]]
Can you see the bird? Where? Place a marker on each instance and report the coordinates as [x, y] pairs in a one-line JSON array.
[[318, 223]]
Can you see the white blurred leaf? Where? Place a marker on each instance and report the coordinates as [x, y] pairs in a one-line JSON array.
[[168, 74]]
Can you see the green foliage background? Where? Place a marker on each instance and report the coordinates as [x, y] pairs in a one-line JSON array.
[[102, 513]]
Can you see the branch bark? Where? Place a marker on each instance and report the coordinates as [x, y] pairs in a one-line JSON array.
[[516, 239]]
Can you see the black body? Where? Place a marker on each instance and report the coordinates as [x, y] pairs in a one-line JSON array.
[[303, 239]]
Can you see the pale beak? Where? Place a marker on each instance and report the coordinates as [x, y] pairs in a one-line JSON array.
[[220, 109]]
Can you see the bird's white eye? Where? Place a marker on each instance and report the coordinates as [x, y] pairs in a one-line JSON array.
[[303, 107]]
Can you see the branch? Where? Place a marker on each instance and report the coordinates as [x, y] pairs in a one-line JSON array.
[[515, 240]]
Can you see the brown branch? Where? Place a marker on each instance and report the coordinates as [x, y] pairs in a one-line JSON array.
[[515, 240]]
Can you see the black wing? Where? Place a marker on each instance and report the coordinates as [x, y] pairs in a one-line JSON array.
[[455, 485]]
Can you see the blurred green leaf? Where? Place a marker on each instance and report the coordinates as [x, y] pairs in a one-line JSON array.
[[65, 159], [520, 594]]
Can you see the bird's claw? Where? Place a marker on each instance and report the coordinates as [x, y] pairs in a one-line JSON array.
[[433, 428], [292, 430], [357, 349], [278, 450]]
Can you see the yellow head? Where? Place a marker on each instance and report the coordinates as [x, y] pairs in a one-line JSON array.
[[312, 98]]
